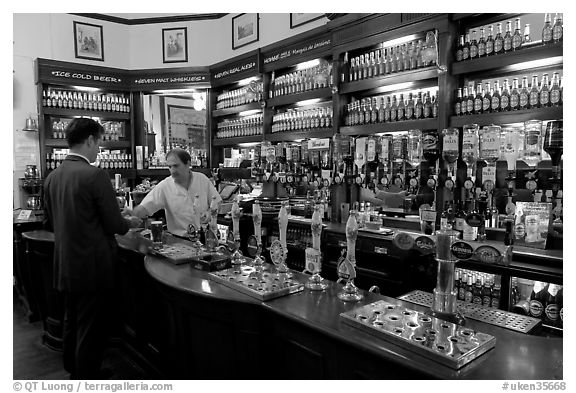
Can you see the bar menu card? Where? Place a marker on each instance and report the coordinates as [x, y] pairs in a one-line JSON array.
[[532, 223]]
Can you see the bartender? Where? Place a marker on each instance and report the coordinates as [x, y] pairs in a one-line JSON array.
[[176, 195]]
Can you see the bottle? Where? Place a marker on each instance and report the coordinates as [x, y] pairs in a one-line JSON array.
[[434, 106], [505, 97], [459, 219], [478, 99], [469, 98], [560, 302], [537, 299], [428, 106], [487, 99], [387, 110], [515, 295], [514, 96], [544, 91], [462, 287], [524, 94], [487, 293], [447, 216], [468, 294], [469, 232], [547, 30], [460, 48], [495, 105], [534, 97], [507, 42], [517, 39], [457, 281], [419, 107], [477, 290], [410, 107], [401, 110], [499, 40], [557, 28], [496, 292], [393, 109], [458, 104], [555, 90], [466, 47], [552, 310], [526, 39], [473, 46], [482, 43], [490, 42]]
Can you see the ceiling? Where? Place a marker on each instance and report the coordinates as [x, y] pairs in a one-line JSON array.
[[147, 18]]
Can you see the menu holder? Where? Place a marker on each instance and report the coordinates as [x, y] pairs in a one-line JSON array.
[[532, 223]]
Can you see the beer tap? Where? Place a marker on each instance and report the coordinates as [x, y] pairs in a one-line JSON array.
[[450, 153], [283, 226], [414, 159], [257, 220], [347, 265], [360, 160], [313, 255], [470, 153], [237, 258], [533, 155], [511, 152], [385, 160]]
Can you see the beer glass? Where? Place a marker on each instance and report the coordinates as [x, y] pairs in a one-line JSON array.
[[532, 142]]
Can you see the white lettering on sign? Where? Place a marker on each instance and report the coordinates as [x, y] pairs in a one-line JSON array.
[[297, 51], [78, 75], [234, 70]]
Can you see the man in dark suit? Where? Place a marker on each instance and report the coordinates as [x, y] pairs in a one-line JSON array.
[[81, 208]]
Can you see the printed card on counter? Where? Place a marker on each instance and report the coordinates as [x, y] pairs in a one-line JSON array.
[[532, 223]]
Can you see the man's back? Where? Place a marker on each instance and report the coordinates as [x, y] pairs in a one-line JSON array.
[[83, 211]]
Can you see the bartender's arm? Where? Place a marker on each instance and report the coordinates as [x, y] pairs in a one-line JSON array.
[[383, 198]]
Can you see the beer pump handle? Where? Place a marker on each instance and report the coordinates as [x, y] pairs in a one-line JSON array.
[[257, 219], [283, 225]]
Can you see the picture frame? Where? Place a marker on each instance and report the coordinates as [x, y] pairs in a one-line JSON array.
[[88, 41], [245, 30], [299, 19], [175, 45]]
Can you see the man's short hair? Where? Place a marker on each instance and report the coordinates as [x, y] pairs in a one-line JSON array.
[[79, 129], [182, 155]]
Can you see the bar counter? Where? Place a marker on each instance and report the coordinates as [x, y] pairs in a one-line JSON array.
[[217, 332]]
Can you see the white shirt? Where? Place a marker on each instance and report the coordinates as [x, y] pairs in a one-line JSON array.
[[178, 202]]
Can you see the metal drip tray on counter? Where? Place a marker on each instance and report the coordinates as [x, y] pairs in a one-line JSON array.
[[493, 316], [262, 283], [444, 342]]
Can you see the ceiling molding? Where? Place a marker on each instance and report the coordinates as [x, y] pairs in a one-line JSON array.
[[145, 21]]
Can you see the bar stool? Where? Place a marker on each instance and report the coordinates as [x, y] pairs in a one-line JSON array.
[[39, 246]]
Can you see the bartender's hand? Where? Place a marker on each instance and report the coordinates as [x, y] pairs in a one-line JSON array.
[[133, 221], [126, 212]]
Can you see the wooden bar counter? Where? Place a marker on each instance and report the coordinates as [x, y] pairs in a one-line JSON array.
[[214, 332]]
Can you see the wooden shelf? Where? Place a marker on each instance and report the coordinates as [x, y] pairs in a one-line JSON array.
[[107, 144], [390, 79], [297, 97], [85, 113], [126, 173], [236, 140], [520, 116], [502, 61], [290, 136], [370, 129], [237, 109]]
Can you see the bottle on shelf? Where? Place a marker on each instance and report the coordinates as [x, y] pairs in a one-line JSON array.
[[538, 298], [555, 92], [544, 91], [498, 40], [517, 39], [473, 45], [507, 42], [466, 47], [547, 29], [486, 99], [490, 41], [534, 97], [524, 94], [495, 103], [557, 28], [505, 97]]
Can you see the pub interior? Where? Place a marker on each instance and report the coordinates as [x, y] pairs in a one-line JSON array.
[[390, 192]]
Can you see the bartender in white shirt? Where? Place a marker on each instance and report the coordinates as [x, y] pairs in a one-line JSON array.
[[176, 195]]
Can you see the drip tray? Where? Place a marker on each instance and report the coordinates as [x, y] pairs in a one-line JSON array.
[[263, 283], [444, 342], [493, 316]]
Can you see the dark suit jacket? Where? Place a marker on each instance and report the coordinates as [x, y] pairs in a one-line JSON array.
[[81, 208]]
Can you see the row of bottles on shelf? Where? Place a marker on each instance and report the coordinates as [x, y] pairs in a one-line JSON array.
[[384, 61], [372, 110], [482, 289], [540, 300], [244, 126], [67, 99], [492, 98], [113, 130], [157, 160], [241, 96], [312, 78], [302, 119], [468, 47], [104, 160]]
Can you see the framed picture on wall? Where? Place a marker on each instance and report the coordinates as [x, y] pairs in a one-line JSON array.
[[299, 19], [88, 41], [175, 45], [244, 30]]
